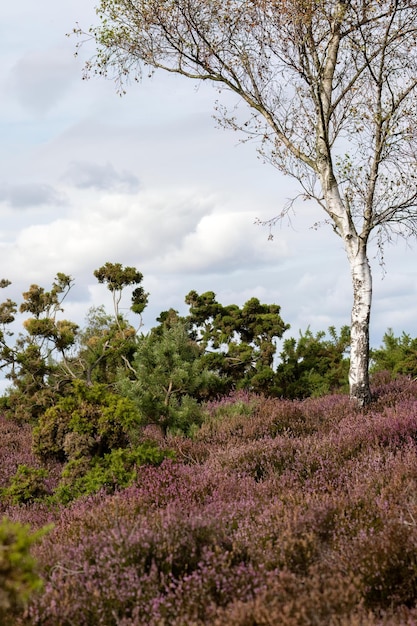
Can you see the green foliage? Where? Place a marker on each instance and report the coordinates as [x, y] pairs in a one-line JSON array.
[[397, 355], [39, 302], [105, 345], [169, 379], [18, 577], [239, 345], [29, 406], [52, 352], [314, 365], [115, 470], [37, 361], [109, 342], [89, 421], [117, 277], [27, 485], [238, 342], [46, 335], [97, 435]]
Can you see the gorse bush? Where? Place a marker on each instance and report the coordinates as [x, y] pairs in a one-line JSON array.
[[115, 470], [95, 435], [28, 484], [18, 574], [89, 421]]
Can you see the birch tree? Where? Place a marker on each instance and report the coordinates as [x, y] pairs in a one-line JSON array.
[[328, 86]]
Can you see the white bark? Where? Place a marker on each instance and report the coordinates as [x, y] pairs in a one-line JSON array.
[[356, 252], [359, 333]]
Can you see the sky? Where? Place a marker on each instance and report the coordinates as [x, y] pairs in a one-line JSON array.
[[149, 180]]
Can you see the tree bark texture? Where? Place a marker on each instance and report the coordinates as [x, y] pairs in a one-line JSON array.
[[360, 317], [356, 252]]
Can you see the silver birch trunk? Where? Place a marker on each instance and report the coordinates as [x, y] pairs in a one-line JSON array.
[[359, 333], [356, 252]]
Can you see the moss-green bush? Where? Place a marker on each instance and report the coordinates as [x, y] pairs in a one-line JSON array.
[[89, 421], [27, 485], [18, 575], [115, 470]]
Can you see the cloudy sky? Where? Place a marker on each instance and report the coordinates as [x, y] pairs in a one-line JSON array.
[[148, 180]]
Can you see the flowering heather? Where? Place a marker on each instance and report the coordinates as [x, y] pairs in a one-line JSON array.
[[277, 512], [15, 449]]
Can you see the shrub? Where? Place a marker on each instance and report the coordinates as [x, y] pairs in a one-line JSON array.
[[23, 478], [18, 572], [314, 365], [169, 381], [89, 421], [397, 355], [96, 434], [115, 470], [387, 564], [242, 416], [27, 485]]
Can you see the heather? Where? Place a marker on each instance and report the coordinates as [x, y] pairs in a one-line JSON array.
[[275, 511]]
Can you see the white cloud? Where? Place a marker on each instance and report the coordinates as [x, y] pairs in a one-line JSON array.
[[222, 241], [172, 232]]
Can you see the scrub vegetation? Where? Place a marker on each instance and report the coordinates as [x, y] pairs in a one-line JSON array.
[[191, 475]]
